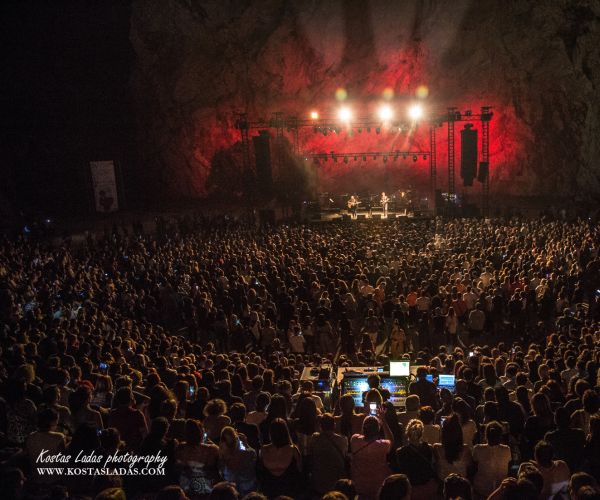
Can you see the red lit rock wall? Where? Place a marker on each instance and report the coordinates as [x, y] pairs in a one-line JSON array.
[[536, 62]]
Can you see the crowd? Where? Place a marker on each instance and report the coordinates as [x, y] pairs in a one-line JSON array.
[[187, 342]]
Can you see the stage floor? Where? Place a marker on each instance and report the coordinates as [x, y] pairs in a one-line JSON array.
[[374, 215]]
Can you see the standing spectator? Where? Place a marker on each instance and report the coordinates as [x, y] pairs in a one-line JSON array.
[[415, 459], [328, 453], [369, 457], [491, 460], [129, 421]]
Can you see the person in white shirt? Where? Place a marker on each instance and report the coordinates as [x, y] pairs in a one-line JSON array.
[[306, 389], [296, 340], [260, 414], [470, 298], [486, 277]]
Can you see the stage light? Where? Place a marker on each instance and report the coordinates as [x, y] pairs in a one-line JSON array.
[[369, 130], [345, 159], [325, 131], [404, 156], [359, 130], [314, 115], [355, 158], [424, 157], [385, 113], [345, 114], [422, 91], [415, 158], [415, 112], [316, 129], [378, 130], [385, 159], [364, 158], [341, 94], [374, 157]]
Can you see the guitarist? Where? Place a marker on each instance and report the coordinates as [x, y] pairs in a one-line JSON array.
[[353, 205], [384, 203]]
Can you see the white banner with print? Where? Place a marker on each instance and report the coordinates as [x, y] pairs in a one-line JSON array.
[[105, 186]]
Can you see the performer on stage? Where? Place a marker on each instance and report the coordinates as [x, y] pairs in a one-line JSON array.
[[384, 203], [353, 205]]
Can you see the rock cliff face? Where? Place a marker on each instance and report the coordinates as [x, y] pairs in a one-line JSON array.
[[537, 62]]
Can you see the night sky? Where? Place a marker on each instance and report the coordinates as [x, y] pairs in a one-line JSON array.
[[65, 98]]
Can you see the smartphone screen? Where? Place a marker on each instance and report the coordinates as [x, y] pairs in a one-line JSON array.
[[373, 408]]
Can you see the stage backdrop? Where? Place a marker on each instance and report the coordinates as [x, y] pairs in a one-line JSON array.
[[104, 183]]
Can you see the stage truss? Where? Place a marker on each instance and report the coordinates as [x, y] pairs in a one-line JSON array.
[[291, 124]]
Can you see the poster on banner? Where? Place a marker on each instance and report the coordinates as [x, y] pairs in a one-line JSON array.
[[104, 182]]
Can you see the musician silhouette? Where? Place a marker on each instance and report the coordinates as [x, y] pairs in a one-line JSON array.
[[384, 203], [353, 205]]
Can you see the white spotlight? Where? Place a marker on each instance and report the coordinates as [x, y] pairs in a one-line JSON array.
[[314, 115], [415, 112], [385, 113], [345, 114]]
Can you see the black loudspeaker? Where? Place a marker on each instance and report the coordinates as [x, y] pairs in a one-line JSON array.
[[468, 155], [262, 152], [484, 171]]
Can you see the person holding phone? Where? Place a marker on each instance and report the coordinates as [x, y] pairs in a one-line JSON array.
[[237, 460], [369, 452]]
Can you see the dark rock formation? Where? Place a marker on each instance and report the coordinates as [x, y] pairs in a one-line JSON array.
[[537, 62]]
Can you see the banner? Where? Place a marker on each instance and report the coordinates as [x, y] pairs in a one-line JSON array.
[[105, 186]]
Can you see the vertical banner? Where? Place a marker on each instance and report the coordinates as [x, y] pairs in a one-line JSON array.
[[104, 183]]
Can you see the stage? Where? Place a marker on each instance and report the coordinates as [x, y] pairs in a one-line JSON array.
[[339, 215]]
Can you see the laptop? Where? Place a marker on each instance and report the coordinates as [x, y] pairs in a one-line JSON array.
[[446, 382]]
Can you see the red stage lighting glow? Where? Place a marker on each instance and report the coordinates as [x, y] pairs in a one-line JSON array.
[[314, 115]]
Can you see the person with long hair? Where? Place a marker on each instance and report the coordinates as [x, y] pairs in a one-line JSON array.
[[522, 397], [451, 327], [81, 412], [103, 392], [305, 422], [397, 340], [348, 422], [237, 460], [491, 460], [467, 424], [278, 408], [537, 424], [590, 407], [280, 463], [369, 456], [197, 461], [452, 455]]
